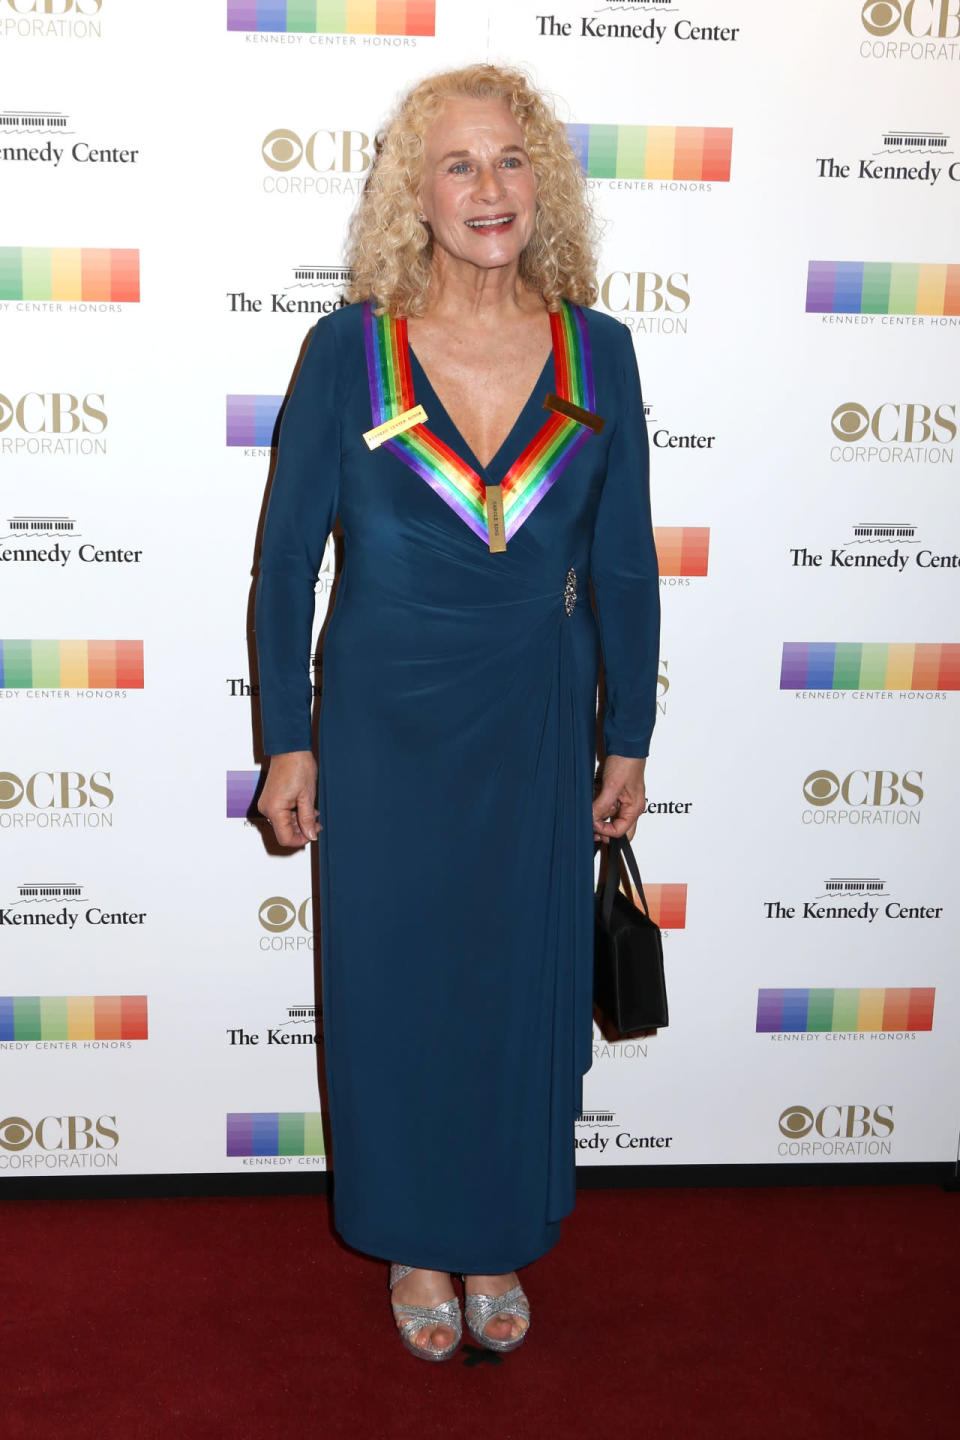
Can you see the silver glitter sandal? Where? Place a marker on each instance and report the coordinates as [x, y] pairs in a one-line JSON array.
[[416, 1317], [478, 1310]]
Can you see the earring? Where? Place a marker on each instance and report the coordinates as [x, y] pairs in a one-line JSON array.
[[422, 218]]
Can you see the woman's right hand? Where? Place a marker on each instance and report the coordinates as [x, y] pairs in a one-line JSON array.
[[288, 799]]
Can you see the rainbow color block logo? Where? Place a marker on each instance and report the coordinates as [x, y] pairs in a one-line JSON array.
[[273, 1132], [334, 17], [241, 788], [667, 904], [783, 1011], [73, 1017], [39, 272], [252, 419], [833, 665], [71, 664], [682, 550], [652, 152], [877, 287]]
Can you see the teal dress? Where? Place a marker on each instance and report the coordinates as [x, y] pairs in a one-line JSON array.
[[457, 750]]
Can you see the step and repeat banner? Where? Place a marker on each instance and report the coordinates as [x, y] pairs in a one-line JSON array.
[[779, 195]]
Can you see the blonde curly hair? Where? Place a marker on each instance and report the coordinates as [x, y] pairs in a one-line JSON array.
[[390, 250]]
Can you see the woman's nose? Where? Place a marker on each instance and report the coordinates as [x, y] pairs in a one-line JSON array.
[[488, 184]]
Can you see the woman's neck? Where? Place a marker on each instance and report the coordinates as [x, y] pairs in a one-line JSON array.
[[460, 291]]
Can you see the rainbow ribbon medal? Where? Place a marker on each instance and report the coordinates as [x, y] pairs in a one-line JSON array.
[[534, 471]]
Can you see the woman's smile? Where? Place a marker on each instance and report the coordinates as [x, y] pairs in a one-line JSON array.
[[491, 223]]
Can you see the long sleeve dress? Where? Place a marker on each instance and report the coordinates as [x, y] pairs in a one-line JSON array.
[[457, 746]]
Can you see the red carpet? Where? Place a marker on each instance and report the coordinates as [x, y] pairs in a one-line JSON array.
[[757, 1312]]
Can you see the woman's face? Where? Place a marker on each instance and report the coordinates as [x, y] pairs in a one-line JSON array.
[[478, 192]]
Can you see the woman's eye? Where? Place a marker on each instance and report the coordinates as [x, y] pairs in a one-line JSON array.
[[460, 168]]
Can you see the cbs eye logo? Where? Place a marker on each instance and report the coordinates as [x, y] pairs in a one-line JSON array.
[[15, 1133], [282, 150], [11, 790], [821, 788], [913, 424], [796, 1121], [59, 1132], [279, 914], [325, 150], [850, 421], [864, 787], [833, 1122], [38, 413], [882, 17], [56, 790]]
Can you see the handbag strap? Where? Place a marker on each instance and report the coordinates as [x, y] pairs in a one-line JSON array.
[[620, 848]]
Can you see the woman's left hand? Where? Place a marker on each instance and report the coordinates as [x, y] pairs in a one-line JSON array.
[[621, 798]]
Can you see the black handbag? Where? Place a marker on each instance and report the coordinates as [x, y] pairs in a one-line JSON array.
[[628, 980]]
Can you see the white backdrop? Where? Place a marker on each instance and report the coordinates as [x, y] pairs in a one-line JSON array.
[[801, 835]]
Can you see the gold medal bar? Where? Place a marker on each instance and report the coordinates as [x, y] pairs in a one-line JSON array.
[[396, 426], [574, 412], [498, 540]]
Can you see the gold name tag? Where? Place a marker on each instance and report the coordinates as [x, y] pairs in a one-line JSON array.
[[574, 412], [396, 426], [498, 540]]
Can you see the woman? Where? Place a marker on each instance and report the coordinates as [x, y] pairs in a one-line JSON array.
[[458, 719]]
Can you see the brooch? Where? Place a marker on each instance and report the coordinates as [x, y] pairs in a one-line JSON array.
[[570, 591]]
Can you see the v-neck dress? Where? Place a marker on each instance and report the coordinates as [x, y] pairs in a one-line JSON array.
[[457, 749], [493, 470]]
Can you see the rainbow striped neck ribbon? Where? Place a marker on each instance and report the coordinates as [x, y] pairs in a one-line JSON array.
[[534, 471]]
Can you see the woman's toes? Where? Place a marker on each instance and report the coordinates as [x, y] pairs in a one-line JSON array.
[[437, 1337], [506, 1327]]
